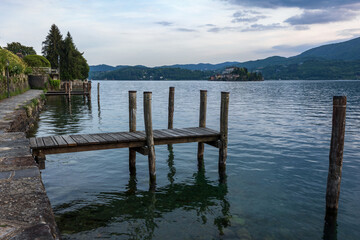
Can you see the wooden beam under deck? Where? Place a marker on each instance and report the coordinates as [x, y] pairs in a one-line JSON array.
[[102, 141]]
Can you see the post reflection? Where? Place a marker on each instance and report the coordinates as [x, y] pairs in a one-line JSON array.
[[330, 225], [138, 213]]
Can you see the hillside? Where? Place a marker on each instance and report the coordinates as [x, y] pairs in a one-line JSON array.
[[327, 59]]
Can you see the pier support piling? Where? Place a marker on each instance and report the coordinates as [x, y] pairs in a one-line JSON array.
[[336, 153], [149, 137], [171, 110], [132, 128], [224, 113], [202, 123]]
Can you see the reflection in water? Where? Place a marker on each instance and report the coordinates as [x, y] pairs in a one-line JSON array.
[[142, 211], [170, 161], [330, 225], [62, 117]]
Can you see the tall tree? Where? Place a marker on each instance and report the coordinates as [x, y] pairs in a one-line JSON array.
[[73, 64], [52, 46], [17, 47]]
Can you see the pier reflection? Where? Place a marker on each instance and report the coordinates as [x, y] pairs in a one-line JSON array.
[[63, 113], [141, 211], [330, 225]]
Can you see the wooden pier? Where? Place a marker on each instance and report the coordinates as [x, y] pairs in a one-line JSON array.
[[143, 142], [68, 90]]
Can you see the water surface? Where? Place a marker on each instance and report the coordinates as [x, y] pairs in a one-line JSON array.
[[279, 138]]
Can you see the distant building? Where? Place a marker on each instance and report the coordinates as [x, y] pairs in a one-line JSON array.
[[228, 70]]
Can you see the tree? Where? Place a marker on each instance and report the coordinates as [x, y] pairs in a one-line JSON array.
[[17, 47], [52, 46], [73, 64]]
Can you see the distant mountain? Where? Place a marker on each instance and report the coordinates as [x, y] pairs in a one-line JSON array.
[[349, 50], [326, 58]]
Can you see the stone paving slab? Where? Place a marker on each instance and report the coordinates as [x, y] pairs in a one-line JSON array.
[[25, 210]]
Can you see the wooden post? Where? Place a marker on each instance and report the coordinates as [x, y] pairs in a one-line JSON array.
[[69, 90], [202, 123], [336, 153], [149, 137], [171, 108], [65, 87], [84, 88], [98, 91], [132, 128], [224, 110], [7, 78]]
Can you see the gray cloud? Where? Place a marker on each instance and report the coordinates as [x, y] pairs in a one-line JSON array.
[[262, 27], [322, 16], [352, 32], [301, 27], [165, 23], [306, 4], [247, 16], [298, 48], [185, 30]]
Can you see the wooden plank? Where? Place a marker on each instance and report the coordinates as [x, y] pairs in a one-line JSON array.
[[90, 139], [130, 137], [141, 133], [171, 131], [179, 132], [169, 134], [118, 136], [158, 134], [48, 142], [39, 142], [79, 140], [191, 133], [211, 130], [108, 138], [33, 143], [163, 134], [98, 138], [59, 140], [69, 140], [138, 136]]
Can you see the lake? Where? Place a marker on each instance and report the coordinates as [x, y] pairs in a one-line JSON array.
[[277, 166]]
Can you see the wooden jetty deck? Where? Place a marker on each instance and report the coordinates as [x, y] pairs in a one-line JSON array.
[[68, 90], [137, 140], [144, 141]]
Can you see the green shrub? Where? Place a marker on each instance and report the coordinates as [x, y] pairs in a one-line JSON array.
[[54, 83], [36, 61], [16, 64]]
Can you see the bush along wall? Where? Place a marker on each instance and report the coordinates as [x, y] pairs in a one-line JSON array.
[[18, 70]]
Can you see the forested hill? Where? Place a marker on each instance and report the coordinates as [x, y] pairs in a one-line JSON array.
[[331, 61], [145, 73]]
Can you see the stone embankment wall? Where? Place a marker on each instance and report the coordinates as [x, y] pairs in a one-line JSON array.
[[18, 84], [25, 211]]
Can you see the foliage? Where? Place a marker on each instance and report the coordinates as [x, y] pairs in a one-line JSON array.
[[54, 83], [72, 63], [16, 64], [36, 61], [17, 47], [315, 70], [145, 73], [52, 46]]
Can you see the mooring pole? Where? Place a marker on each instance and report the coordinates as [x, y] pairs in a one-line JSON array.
[[98, 91], [171, 108], [224, 111], [132, 128], [69, 90], [149, 138], [84, 88], [336, 153], [202, 123]]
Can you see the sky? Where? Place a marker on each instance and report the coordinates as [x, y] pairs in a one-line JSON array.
[[166, 32]]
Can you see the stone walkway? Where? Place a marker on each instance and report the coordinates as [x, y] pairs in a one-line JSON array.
[[25, 210], [8, 105]]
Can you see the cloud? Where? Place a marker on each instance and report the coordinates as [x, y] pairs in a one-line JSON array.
[[247, 16], [164, 23], [262, 27], [185, 30], [322, 16], [301, 27], [352, 32], [305, 4]]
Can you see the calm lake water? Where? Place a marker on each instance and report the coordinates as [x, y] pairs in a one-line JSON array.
[[279, 138]]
